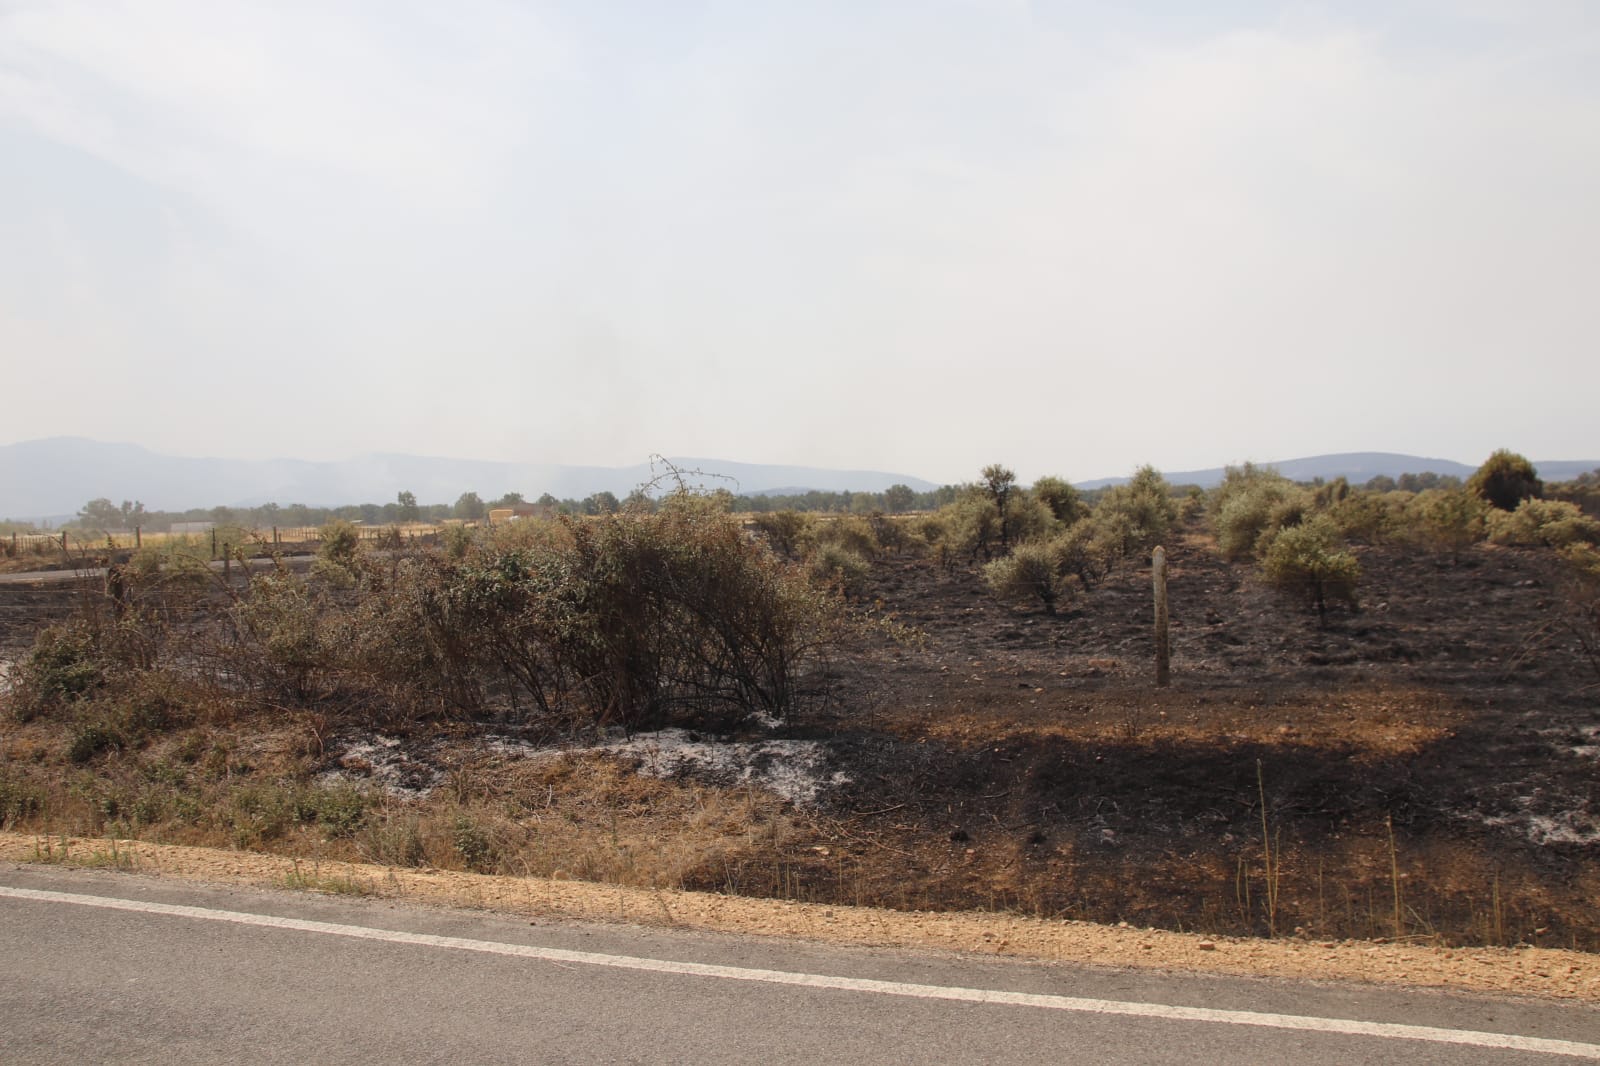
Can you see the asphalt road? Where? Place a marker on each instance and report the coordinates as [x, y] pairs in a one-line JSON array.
[[102, 966]]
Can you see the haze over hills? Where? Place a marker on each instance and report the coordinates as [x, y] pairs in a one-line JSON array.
[[55, 477], [1359, 467], [52, 479]]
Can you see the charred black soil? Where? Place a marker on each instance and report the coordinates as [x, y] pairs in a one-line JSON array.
[[1430, 763], [1427, 766]]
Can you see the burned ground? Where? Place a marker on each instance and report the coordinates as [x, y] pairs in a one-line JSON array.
[[1425, 766]]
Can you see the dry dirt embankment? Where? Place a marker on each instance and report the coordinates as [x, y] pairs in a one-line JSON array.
[[1524, 971]]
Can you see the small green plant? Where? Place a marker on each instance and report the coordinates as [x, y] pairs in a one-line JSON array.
[[91, 739], [474, 845], [1308, 562], [63, 667]]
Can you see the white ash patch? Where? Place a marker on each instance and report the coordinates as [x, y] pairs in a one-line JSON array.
[[381, 761], [794, 770], [1573, 825]]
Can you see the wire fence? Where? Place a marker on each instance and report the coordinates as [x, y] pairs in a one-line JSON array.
[[215, 541]]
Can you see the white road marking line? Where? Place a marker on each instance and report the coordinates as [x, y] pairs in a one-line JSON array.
[[1337, 1026]]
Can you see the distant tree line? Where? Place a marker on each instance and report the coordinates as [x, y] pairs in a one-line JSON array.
[[104, 514]]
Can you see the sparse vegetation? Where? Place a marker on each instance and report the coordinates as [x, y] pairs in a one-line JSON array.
[[1010, 756]]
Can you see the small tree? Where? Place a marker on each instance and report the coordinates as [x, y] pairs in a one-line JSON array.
[[1506, 479], [406, 509], [999, 482], [1140, 512], [1062, 499], [1307, 560], [470, 507], [100, 514], [899, 498]]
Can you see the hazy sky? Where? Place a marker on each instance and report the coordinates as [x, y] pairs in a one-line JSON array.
[[916, 236]]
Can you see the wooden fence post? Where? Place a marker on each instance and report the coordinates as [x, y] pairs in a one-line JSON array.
[[138, 536], [63, 540], [1158, 571], [213, 542]]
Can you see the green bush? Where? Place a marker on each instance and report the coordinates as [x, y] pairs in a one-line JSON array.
[[1447, 520], [1086, 550], [63, 667], [1031, 572], [853, 533], [1065, 504], [971, 525], [1504, 480], [784, 530], [1136, 516], [1307, 561], [833, 565], [1253, 501], [1550, 523]]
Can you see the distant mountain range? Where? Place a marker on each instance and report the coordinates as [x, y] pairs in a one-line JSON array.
[[54, 478], [1357, 468]]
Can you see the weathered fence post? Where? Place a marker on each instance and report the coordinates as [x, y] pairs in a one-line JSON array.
[[1158, 571], [138, 537], [213, 542], [227, 564], [63, 540]]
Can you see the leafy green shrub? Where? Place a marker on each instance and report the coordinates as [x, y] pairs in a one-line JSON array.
[[90, 739], [1065, 504], [784, 530], [841, 567], [1250, 502], [63, 667], [850, 532], [971, 525], [1027, 518], [1551, 523], [283, 646], [1136, 516], [457, 541], [1086, 550], [1307, 561], [1447, 520], [1369, 515], [1504, 480], [1031, 572], [475, 846], [340, 542]]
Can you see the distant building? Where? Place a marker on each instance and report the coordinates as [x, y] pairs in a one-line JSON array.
[[500, 515]]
